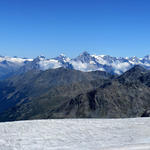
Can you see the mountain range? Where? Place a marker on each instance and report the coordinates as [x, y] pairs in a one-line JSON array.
[[84, 62], [87, 86], [69, 93]]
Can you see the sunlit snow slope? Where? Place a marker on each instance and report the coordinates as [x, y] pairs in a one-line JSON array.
[[76, 134]]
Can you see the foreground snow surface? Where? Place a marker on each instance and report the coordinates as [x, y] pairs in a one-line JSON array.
[[76, 134]]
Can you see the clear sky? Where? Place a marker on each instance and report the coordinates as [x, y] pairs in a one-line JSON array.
[[49, 27]]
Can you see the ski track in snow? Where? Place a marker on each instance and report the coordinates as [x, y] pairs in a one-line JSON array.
[[76, 134]]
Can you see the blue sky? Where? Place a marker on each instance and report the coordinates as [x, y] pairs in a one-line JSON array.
[[49, 27]]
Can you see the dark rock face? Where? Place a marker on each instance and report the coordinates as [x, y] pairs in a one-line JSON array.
[[67, 93], [146, 113], [37, 92], [113, 101], [134, 74]]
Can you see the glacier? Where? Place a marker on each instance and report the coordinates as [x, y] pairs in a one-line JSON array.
[[76, 134]]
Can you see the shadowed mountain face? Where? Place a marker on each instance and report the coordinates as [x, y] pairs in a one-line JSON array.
[[67, 93], [35, 92], [114, 101], [134, 74]]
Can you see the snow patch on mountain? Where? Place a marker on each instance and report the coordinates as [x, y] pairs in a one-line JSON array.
[[84, 62], [78, 65], [100, 59], [120, 67], [51, 63], [14, 59]]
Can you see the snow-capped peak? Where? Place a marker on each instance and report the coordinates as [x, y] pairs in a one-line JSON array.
[[85, 53], [41, 57], [84, 62], [87, 62], [62, 55]]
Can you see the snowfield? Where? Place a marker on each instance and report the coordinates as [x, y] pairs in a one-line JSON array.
[[76, 134]]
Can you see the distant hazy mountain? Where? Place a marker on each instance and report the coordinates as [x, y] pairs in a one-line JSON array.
[[84, 62], [9, 66]]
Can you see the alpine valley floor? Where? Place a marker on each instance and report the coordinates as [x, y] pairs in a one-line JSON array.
[[76, 134]]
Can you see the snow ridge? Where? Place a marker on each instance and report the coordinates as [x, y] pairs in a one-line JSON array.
[[84, 62]]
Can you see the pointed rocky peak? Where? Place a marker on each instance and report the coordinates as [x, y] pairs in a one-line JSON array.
[[62, 58], [84, 57], [109, 59], [85, 53], [134, 59], [62, 55], [39, 58]]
